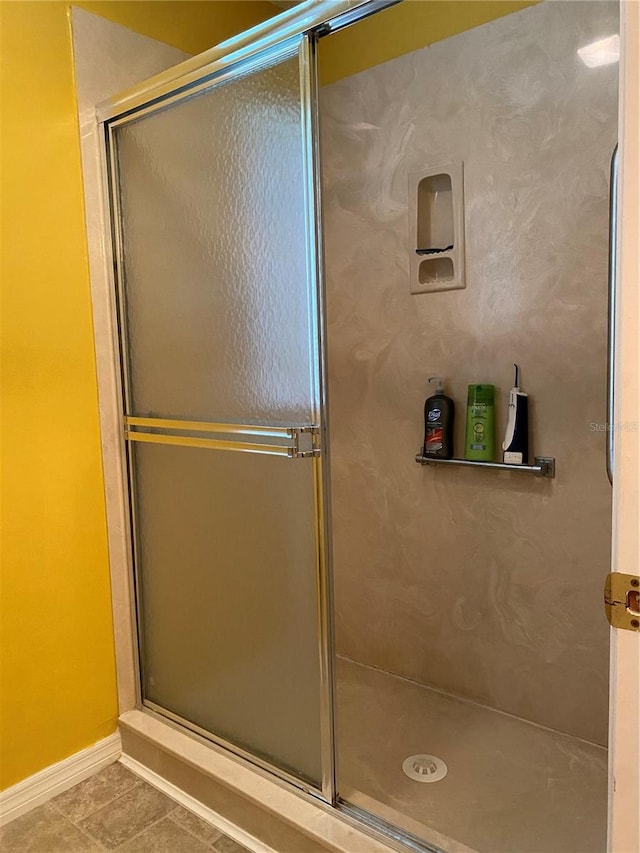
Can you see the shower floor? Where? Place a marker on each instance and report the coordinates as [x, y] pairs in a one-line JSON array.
[[512, 786]]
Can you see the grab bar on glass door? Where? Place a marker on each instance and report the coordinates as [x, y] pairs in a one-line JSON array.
[[611, 310], [296, 442]]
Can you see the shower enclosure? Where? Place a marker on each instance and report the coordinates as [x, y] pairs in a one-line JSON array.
[[442, 621]]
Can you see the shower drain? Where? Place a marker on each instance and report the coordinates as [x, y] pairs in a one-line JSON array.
[[424, 768]]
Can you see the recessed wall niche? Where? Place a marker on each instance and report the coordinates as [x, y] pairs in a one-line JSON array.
[[436, 207]]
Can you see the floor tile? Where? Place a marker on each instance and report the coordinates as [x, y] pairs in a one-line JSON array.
[[89, 796], [44, 830], [228, 845], [126, 816], [195, 825], [165, 837]]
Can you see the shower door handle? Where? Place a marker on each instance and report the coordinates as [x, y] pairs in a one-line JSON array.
[[294, 442], [611, 310]]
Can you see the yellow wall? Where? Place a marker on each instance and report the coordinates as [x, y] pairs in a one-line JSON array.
[[400, 29], [191, 25], [58, 691]]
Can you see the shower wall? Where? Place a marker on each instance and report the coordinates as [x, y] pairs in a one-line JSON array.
[[484, 584]]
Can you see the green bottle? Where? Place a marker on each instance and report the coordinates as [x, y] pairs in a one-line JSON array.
[[479, 442]]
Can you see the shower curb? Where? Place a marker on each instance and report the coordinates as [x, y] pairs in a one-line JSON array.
[[246, 797]]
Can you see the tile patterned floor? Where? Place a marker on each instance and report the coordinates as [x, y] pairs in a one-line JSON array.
[[113, 810]]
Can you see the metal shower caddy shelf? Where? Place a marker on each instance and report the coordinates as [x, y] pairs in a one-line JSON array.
[[544, 466]]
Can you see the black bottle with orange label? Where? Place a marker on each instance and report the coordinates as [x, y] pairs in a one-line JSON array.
[[438, 421]]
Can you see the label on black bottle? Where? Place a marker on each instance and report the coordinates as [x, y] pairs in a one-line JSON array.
[[434, 439]]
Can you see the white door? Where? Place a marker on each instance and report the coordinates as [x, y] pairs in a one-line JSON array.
[[624, 729]]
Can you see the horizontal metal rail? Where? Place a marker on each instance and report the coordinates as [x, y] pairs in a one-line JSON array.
[[210, 443], [206, 426], [225, 436], [545, 466]]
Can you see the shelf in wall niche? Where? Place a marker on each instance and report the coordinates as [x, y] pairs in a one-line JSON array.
[[544, 466], [435, 270]]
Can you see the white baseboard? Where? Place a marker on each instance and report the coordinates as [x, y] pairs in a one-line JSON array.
[[42, 786], [195, 806]]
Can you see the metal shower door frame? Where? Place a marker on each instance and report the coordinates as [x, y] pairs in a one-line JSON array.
[[292, 32]]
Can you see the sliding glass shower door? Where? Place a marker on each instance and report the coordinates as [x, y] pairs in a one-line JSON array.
[[213, 205]]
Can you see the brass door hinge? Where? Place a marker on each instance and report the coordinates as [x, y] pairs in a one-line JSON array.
[[622, 601]]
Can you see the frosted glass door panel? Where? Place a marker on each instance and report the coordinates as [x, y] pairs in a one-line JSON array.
[[216, 313], [212, 205], [227, 568]]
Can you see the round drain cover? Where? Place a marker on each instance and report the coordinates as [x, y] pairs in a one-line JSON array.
[[424, 768]]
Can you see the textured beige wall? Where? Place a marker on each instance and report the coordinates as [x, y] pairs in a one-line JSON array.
[[484, 584]]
